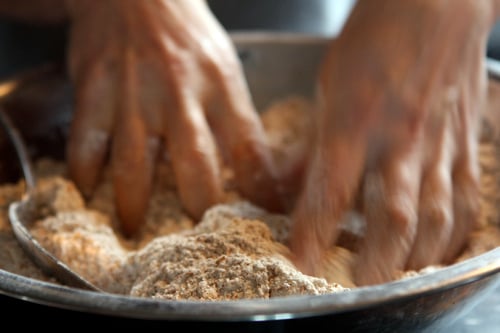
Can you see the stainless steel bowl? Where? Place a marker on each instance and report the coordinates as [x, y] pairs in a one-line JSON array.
[[276, 65]]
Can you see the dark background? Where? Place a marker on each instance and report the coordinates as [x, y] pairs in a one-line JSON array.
[[23, 46]]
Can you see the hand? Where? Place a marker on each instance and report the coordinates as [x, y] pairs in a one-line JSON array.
[[155, 76], [397, 134]]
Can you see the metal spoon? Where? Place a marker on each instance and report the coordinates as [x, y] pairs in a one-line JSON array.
[[40, 256]]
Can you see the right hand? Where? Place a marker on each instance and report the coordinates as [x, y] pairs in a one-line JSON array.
[[162, 76], [399, 101]]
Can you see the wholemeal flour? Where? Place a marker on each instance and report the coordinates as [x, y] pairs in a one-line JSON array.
[[236, 251]]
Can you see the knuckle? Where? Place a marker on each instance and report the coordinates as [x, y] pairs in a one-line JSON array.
[[220, 64], [178, 63], [402, 217], [439, 217]]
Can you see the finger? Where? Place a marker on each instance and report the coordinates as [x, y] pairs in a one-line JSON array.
[[243, 141], [435, 212], [134, 152], [88, 139], [466, 170], [435, 218], [332, 180], [390, 201], [466, 201], [194, 157]]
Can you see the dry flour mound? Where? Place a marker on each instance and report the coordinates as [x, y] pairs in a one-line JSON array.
[[222, 259], [237, 251]]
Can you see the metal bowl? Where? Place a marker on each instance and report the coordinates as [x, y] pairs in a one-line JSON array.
[[276, 65]]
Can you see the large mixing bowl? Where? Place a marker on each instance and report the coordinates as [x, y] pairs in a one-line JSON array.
[[276, 66]]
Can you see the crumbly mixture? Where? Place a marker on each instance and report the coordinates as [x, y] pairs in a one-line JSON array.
[[12, 257], [233, 253], [226, 256], [236, 251]]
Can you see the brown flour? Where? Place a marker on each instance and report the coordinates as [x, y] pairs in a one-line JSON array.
[[237, 251]]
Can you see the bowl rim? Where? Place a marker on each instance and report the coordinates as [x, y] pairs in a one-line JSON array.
[[484, 266]]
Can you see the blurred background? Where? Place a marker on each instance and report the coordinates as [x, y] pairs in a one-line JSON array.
[[23, 45]]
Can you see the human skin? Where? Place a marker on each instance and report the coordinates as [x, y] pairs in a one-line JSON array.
[[156, 79], [397, 128], [398, 120]]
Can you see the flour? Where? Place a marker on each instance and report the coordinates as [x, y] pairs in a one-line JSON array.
[[237, 250], [233, 253]]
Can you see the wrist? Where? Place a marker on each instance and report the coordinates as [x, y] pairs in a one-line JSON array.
[[42, 11]]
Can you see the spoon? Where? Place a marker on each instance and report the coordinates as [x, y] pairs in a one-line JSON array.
[[35, 251]]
